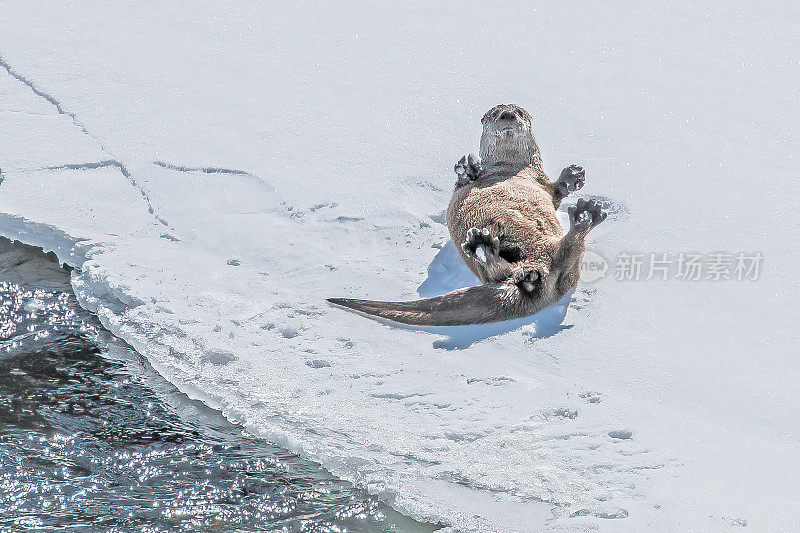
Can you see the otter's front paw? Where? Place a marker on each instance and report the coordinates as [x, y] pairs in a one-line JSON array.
[[585, 215], [571, 179], [468, 169], [481, 245]]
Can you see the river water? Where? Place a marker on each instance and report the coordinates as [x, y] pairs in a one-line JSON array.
[[93, 439]]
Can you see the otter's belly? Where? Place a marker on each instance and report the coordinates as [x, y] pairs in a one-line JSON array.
[[516, 210], [507, 205]]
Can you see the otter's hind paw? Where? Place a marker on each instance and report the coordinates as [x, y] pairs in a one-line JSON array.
[[468, 169], [585, 215], [571, 179], [481, 245], [530, 282]]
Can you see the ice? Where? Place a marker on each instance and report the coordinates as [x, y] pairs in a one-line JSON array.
[[216, 172]]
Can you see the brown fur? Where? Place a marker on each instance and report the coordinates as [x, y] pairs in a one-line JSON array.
[[520, 211], [510, 196]]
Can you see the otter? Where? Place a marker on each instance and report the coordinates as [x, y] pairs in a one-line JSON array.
[[503, 216]]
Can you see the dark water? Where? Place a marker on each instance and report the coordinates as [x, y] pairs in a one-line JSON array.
[[93, 439]]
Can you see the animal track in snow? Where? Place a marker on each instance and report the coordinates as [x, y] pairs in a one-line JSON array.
[[609, 514], [591, 396], [318, 363], [620, 434]]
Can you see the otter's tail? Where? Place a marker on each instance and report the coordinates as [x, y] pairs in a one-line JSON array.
[[492, 302]]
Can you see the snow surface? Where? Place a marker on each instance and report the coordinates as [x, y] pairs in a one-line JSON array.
[[216, 171]]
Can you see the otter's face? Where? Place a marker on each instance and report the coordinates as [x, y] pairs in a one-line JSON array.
[[507, 135], [505, 120]]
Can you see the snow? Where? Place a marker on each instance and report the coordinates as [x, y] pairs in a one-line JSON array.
[[216, 172]]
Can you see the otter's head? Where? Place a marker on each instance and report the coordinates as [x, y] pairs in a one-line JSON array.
[[508, 138]]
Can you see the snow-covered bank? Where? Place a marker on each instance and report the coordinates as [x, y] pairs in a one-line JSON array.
[[224, 170]]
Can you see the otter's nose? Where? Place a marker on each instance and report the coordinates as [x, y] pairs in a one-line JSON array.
[[508, 115]]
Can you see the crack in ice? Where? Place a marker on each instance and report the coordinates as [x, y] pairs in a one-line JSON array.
[[50, 99], [106, 163], [206, 170], [123, 170]]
